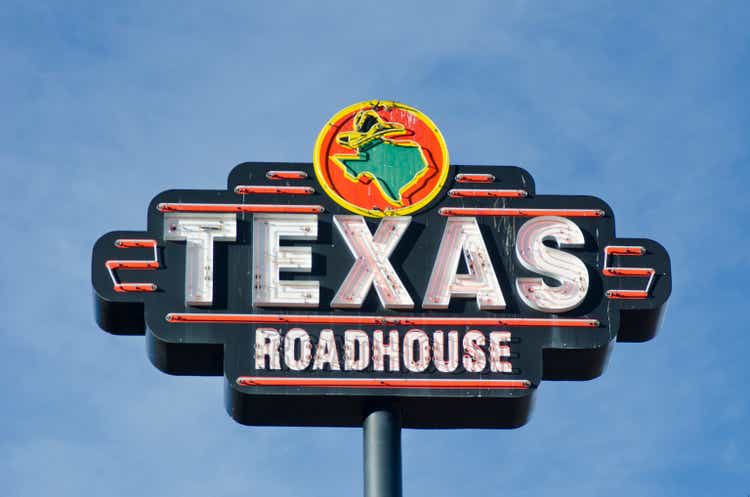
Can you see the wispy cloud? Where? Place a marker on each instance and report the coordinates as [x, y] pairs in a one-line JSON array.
[[644, 105]]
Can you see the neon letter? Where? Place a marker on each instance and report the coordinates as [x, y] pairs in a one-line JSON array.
[[269, 258], [462, 235], [566, 268], [371, 266]]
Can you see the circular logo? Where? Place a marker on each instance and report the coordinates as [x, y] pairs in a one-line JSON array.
[[381, 158]]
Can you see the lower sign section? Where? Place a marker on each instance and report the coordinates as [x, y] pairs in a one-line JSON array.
[[333, 374]]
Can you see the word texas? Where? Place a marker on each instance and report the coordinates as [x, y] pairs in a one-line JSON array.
[[272, 256]]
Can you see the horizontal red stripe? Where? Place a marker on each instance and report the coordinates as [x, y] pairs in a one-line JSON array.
[[280, 175], [375, 320], [258, 208], [627, 294], [267, 190], [134, 287], [468, 211], [475, 178], [621, 250], [382, 383], [132, 264], [470, 193], [130, 243], [627, 271]]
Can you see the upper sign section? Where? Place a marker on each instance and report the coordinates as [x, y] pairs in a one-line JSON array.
[[380, 159], [380, 274]]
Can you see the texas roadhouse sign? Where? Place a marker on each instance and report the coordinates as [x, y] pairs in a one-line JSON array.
[[379, 274]]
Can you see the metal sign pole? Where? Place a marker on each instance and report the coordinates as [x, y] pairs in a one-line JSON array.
[[382, 446]]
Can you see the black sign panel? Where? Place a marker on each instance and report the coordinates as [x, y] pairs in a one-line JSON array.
[[197, 283]]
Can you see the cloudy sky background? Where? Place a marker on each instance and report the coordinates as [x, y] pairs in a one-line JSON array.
[[646, 106]]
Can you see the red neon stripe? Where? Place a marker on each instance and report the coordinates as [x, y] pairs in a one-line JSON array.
[[467, 211], [187, 317], [627, 294], [279, 175], [113, 265], [622, 250], [266, 189], [475, 178], [264, 208], [465, 193], [134, 287], [132, 264], [627, 271], [131, 243], [266, 381]]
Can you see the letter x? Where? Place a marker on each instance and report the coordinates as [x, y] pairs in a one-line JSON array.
[[371, 266]]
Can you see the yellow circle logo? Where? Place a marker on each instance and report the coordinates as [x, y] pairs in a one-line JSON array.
[[381, 158]]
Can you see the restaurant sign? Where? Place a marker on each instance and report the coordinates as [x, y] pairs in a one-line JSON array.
[[380, 274]]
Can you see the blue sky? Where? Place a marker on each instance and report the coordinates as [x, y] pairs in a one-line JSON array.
[[644, 105]]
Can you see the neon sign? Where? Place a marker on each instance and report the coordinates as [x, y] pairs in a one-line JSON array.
[[380, 272]]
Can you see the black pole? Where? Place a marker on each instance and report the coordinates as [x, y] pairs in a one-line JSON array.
[[382, 439]]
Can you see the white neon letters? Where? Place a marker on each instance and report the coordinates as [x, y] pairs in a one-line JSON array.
[[441, 364], [462, 235], [500, 352], [412, 351], [297, 357], [200, 231], [356, 350], [380, 350], [566, 268], [269, 257], [474, 357], [267, 343], [371, 266], [416, 351], [326, 353]]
